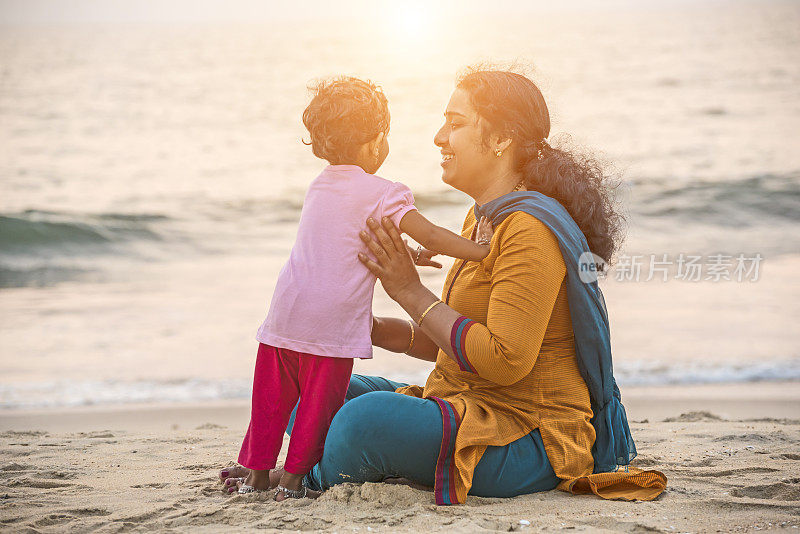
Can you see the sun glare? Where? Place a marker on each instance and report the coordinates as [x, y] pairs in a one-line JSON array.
[[412, 22]]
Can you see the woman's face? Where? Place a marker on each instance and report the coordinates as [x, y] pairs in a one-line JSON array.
[[467, 164]]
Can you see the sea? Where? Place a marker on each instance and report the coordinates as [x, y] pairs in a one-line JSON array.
[[152, 177]]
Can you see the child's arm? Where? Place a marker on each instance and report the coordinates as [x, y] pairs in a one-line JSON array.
[[443, 241]]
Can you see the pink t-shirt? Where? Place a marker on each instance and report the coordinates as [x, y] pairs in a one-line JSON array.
[[322, 302]]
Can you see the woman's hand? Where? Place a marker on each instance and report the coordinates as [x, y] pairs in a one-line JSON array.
[[395, 269], [393, 264]]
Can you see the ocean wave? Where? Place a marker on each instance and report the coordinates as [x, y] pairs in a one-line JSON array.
[[287, 208], [732, 203], [35, 230], [648, 373], [72, 393], [262, 210], [39, 276], [76, 393], [42, 248], [748, 201], [436, 199]]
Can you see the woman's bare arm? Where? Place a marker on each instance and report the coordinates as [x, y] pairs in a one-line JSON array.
[[438, 321], [394, 335]]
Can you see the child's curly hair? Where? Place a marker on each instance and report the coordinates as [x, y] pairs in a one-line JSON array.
[[344, 114]]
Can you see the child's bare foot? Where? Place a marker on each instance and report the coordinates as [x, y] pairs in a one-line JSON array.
[[259, 480], [293, 482], [235, 471], [229, 485]]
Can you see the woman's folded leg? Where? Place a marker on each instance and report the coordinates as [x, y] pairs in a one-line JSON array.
[[383, 434], [379, 435], [515, 469]]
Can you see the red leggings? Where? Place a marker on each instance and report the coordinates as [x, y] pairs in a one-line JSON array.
[[281, 376]]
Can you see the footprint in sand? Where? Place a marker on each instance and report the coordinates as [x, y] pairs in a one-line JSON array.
[[23, 433], [197, 467], [612, 525], [753, 438], [157, 485], [781, 491], [15, 467], [729, 472], [55, 474], [53, 519], [645, 461], [706, 462], [39, 484], [13, 453], [89, 512], [96, 434]]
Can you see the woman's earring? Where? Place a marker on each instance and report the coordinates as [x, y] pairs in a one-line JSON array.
[[498, 152]]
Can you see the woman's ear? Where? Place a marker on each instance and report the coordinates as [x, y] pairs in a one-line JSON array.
[[499, 142], [502, 143]]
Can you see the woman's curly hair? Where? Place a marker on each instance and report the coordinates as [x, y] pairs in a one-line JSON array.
[[514, 108], [344, 114]]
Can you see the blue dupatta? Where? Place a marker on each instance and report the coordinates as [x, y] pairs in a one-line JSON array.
[[613, 445]]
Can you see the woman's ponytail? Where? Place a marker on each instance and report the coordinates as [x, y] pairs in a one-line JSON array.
[[513, 106], [580, 185]]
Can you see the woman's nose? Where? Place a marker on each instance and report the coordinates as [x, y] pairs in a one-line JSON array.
[[440, 139]]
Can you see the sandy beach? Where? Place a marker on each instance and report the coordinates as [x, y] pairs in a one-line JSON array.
[[153, 175], [731, 455]]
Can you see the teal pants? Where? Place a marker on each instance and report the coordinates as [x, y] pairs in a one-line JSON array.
[[379, 434]]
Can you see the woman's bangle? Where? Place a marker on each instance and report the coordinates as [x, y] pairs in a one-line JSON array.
[[410, 343], [422, 317]]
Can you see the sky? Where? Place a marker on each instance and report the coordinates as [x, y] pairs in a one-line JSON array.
[[168, 11]]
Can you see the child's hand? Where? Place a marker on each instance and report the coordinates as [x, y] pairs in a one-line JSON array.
[[485, 232], [422, 257], [425, 260]]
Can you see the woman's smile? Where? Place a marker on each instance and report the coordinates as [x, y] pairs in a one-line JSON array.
[[464, 161]]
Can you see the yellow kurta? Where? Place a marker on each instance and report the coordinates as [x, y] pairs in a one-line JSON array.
[[522, 351]]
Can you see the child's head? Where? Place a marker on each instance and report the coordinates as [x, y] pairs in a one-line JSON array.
[[348, 120]]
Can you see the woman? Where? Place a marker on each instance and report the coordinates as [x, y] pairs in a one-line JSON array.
[[521, 398]]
